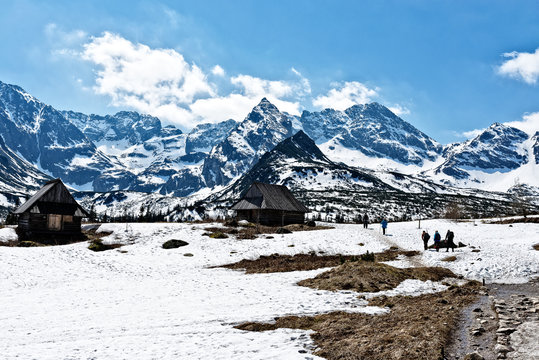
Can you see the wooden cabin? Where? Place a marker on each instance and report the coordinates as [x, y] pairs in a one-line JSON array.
[[51, 211], [270, 205]]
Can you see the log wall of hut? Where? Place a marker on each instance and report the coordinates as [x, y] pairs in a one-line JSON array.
[[30, 223], [271, 217]]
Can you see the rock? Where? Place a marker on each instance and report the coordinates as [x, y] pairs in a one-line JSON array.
[[502, 348], [311, 223], [473, 356], [188, 254], [231, 223], [506, 330], [173, 244]]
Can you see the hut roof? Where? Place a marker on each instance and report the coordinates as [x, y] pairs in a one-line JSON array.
[[272, 197], [61, 202]]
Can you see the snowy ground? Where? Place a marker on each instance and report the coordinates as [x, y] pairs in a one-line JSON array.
[[66, 302]]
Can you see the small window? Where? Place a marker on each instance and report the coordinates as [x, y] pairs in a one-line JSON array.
[[68, 218]]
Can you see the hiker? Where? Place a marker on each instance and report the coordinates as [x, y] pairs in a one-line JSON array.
[[437, 239], [449, 239], [384, 226], [425, 237], [365, 221]]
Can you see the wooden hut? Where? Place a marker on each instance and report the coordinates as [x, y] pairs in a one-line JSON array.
[[270, 205], [51, 211]]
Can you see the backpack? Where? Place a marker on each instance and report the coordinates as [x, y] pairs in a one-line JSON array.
[[426, 237]]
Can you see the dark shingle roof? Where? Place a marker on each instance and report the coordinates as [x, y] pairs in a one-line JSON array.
[[29, 204], [273, 197]]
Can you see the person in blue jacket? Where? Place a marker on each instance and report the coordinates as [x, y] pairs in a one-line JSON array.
[[437, 239], [384, 226]]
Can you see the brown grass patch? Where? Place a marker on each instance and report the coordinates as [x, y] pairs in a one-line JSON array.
[[364, 276], [516, 220], [449, 258], [299, 262], [536, 247], [251, 231], [415, 328], [284, 263]]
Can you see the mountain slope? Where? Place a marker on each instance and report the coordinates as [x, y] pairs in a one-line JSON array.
[[258, 133], [374, 131], [43, 137]]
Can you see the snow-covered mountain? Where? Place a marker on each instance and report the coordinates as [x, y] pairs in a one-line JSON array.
[[327, 186], [258, 133], [44, 137], [364, 148], [364, 133], [498, 158]]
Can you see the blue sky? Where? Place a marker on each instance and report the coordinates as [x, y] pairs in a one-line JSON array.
[[439, 64]]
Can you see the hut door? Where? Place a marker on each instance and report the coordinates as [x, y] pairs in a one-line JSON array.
[[54, 222]]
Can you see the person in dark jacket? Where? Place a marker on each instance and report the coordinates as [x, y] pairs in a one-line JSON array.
[[437, 239], [425, 237], [365, 221], [449, 240], [384, 226]]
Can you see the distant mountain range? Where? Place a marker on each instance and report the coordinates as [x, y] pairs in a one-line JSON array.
[[365, 148]]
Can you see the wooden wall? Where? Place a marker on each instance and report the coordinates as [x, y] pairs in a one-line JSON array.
[[38, 223], [271, 217]]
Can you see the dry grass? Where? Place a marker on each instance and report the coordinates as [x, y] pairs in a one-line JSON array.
[[536, 247], [415, 328], [449, 258], [516, 220], [299, 262], [364, 276], [251, 231], [284, 263]]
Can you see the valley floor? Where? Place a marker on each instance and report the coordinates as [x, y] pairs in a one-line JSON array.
[[144, 302]]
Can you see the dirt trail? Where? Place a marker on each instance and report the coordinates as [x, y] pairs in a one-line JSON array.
[[487, 325], [413, 260]]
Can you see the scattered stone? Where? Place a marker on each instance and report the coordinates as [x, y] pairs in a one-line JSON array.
[[473, 356], [174, 243], [502, 348], [506, 330], [283, 231], [188, 254]]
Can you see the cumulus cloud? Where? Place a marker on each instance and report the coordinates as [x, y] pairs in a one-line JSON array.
[[522, 66], [162, 83], [218, 71], [399, 110], [344, 95], [529, 123], [155, 81]]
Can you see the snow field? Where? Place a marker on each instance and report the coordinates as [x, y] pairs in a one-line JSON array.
[[505, 253], [67, 302]]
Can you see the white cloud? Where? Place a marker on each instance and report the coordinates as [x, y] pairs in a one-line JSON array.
[[218, 71], [522, 66], [155, 81], [529, 123], [61, 37], [399, 110], [471, 133], [344, 95], [162, 83]]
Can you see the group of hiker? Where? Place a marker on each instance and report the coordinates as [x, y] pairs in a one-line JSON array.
[[449, 237], [383, 224]]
